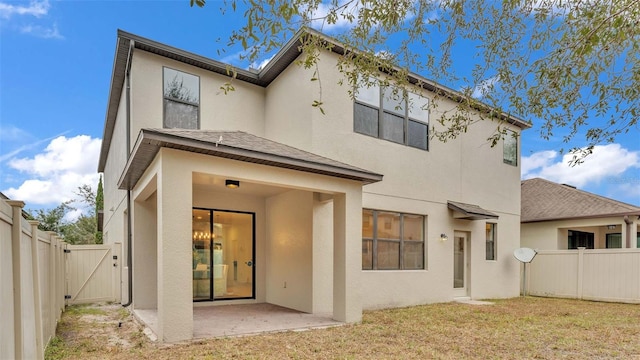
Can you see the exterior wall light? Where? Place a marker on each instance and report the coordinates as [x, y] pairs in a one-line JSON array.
[[232, 184], [444, 237], [611, 227]]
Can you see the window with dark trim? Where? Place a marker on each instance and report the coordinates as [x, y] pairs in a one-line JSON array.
[[578, 239], [491, 241], [614, 241], [510, 149], [181, 100], [391, 114], [392, 241]]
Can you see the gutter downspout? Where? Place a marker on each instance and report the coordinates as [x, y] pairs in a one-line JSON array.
[[129, 237], [628, 239]]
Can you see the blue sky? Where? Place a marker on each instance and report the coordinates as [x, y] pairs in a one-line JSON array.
[[55, 66]]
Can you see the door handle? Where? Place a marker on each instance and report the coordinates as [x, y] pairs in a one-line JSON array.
[[249, 263]]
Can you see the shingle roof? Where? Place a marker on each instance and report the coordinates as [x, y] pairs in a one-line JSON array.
[[236, 145], [543, 200], [471, 211]]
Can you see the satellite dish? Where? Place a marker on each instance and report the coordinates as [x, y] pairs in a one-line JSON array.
[[524, 255]]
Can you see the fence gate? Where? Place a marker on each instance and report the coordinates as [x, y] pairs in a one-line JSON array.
[[92, 273]]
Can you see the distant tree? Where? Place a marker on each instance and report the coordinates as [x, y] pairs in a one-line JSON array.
[[99, 207], [50, 219], [82, 230]]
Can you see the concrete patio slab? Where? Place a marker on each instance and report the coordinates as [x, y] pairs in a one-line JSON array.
[[243, 320]]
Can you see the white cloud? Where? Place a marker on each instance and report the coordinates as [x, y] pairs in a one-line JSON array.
[[12, 133], [537, 160], [342, 22], [42, 31], [484, 87], [35, 8], [346, 9], [57, 172], [606, 161], [259, 66]]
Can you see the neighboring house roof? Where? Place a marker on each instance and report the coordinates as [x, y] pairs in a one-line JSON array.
[[544, 200], [470, 211], [127, 42], [236, 145]]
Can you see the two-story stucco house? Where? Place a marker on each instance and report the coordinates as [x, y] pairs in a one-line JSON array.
[[255, 196]]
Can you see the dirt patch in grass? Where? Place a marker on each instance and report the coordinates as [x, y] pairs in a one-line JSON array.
[[535, 328]]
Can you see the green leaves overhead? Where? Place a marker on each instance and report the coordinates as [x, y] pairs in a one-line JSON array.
[[574, 65]]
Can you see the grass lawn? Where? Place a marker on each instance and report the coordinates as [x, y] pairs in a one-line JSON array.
[[534, 328]]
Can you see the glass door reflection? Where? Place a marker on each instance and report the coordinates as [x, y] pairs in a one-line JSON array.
[[224, 255]]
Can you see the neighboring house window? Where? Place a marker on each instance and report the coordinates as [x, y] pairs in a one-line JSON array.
[[510, 150], [580, 239], [391, 114], [181, 100], [614, 241], [491, 241], [392, 241]]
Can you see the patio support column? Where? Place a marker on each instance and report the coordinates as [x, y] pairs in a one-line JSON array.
[[175, 297], [347, 255]]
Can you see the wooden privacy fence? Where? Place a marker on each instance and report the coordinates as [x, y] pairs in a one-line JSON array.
[[601, 275], [37, 275]]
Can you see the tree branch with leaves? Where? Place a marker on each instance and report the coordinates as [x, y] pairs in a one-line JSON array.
[[574, 66]]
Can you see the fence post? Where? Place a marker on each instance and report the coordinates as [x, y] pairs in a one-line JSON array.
[[37, 299], [580, 271], [16, 235], [52, 281]]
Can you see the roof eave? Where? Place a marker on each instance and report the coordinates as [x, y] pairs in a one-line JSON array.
[[584, 217], [151, 142]]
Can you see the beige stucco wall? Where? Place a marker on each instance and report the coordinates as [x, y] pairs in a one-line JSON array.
[[466, 169], [242, 109], [289, 233]]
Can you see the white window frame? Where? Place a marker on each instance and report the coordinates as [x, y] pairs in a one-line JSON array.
[[370, 245], [166, 98]]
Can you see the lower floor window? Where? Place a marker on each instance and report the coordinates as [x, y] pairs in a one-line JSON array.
[[491, 241], [614, 241], [392, 241], [580, 239]]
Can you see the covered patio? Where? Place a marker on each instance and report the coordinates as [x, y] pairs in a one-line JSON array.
[[293, 261]]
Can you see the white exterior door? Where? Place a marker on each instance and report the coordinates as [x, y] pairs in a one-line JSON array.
[[461, 264]]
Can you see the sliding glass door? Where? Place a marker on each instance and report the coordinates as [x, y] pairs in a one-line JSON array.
[[223, 255]]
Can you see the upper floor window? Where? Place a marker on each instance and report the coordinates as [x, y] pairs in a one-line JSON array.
[[181, 100], [510, 150], [392, 241], [392, 114]]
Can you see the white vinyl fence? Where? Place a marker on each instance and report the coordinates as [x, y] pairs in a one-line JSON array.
[[35, 276], [601, 275]]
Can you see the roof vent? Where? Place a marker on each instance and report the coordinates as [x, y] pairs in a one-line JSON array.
[[571, 186]]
